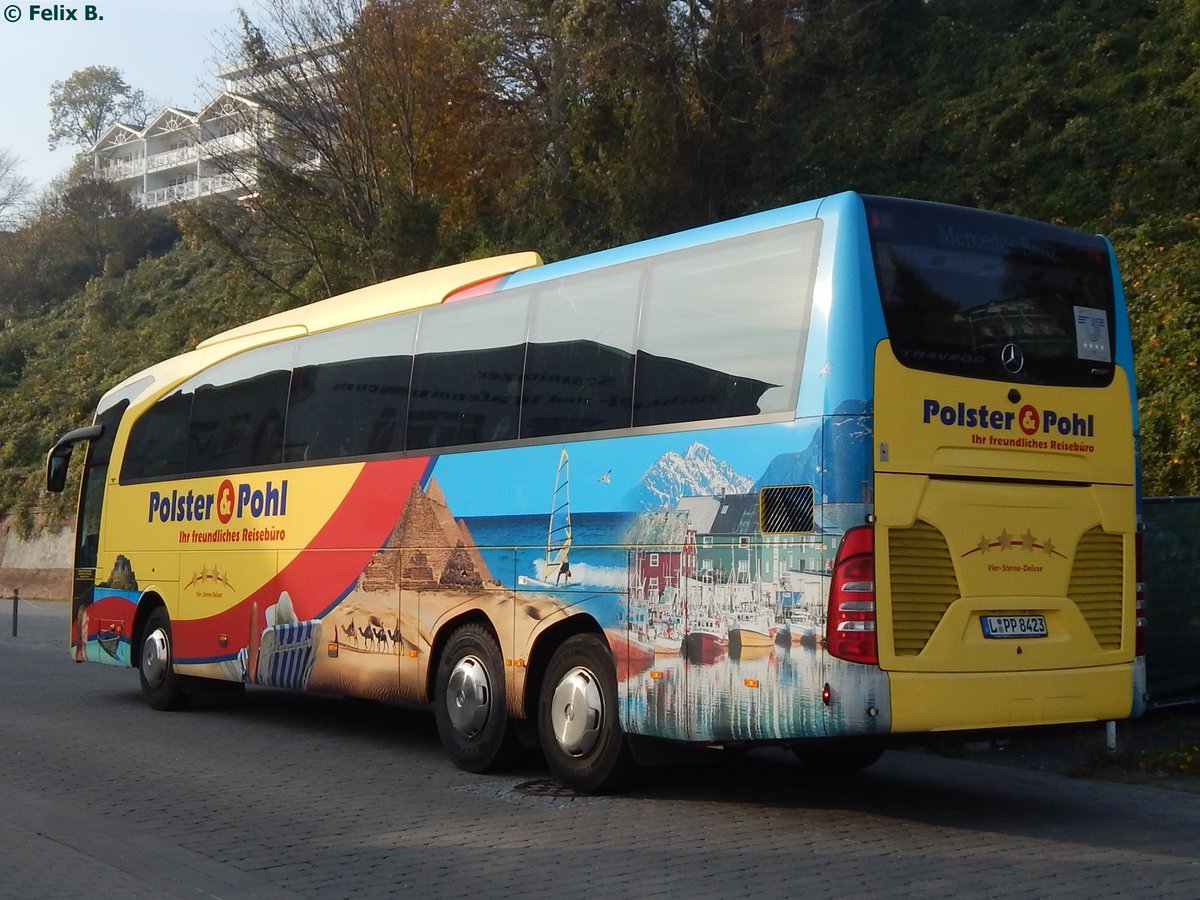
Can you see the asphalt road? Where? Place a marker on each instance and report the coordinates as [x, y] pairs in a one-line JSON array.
[[279, 795]]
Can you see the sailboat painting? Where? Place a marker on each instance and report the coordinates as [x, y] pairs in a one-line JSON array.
[[556, 567]]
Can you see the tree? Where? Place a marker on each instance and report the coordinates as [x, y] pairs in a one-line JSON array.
[[79, 229], [1163, 281], [84, 106], [366, 124], [14, 189], [606, 98]]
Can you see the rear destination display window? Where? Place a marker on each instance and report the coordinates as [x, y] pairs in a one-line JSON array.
[[987, 295]]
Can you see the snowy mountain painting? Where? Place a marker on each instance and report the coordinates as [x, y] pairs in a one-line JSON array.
[[837, 461], [696, 473]]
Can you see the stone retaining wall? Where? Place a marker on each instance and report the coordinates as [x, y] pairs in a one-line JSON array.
[[38, 565]]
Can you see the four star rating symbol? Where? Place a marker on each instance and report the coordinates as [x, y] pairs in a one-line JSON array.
[[1005, 541]]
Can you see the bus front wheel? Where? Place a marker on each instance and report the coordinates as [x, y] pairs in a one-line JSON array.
[[163, 687], [578, 724], [469, 705]]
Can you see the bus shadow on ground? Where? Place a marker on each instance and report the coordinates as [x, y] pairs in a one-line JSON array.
[[905, 785]]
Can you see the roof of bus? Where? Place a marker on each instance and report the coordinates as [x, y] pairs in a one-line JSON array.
[[432, 287], [375, 300], [774, 218], [371, 302]]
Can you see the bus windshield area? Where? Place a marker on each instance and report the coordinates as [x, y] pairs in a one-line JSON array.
[[993, 296]]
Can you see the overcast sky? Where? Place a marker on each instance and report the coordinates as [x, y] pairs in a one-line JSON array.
[[168, 49]]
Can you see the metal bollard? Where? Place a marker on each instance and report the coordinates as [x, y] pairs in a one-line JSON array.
[[16, 597]]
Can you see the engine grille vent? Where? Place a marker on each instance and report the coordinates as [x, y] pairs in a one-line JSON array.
[[1096, 585], [923, 584]]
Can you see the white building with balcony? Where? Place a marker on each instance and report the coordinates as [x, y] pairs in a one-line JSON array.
[[182, 155]]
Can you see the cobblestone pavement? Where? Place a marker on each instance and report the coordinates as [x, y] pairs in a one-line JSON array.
[[279, 795]]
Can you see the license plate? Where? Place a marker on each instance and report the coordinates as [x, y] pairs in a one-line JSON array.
[[1014, 626]]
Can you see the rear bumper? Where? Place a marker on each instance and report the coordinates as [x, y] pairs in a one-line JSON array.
[[957, 701]]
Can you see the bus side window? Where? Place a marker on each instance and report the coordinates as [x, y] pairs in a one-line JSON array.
[[467, 373], [724, 328], [237, 411], [349, 392], [158, 441], [463, 398], [342, 409], [579, 366], [239, 424], [576, 386]]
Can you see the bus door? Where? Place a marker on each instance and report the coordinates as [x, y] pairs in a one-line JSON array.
[[91, 503]]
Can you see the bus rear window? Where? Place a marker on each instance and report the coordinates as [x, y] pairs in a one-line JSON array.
[[986, 295]]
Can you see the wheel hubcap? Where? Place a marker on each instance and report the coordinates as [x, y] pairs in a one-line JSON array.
[[577, 712], [469, 696], [156, 656]]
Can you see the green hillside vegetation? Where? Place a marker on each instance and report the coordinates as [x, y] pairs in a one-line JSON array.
[[55, 366], [485, 127]]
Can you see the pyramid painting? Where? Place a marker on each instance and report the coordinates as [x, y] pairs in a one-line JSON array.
[[428, 548]]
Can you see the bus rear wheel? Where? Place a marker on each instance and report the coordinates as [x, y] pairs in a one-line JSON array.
[[469, 703], [578, 722], [162, 686]]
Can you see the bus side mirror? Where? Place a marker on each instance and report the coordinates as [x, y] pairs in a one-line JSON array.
[[59, 457], [56, 469]]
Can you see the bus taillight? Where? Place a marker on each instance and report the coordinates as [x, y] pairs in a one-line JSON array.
[[850, 625]]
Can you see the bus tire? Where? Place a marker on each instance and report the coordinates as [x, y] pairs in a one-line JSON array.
[[161, 684], [578, 720], [469, 702]]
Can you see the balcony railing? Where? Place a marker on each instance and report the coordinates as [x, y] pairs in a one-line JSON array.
[[237, 142], [190, 190], [219, 184], [156, 162], [118, 171]]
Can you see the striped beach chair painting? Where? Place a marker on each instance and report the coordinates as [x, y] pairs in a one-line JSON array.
[[286, 653]]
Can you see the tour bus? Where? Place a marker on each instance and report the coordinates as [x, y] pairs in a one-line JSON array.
[[819, 477]]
